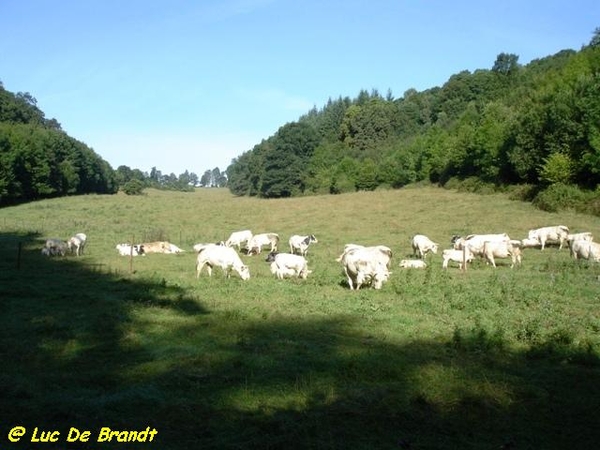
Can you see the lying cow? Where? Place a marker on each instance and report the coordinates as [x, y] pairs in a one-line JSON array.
[[161, 247], [413, 264], [258, 241], [557, 233], [422, 245], [289, 265], [364, 266], [299, 244], [459, 256], [504, 249], [128, 249], [224, 257], [238, 238]]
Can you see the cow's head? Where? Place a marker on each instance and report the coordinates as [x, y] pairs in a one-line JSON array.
[[271, 257]]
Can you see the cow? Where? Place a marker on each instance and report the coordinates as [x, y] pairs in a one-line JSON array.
[[475, 242], [529, 243], [289, 265], [422, 245], [504, 249], [128, 249], [55, 247], [364, 266], [224, 257], [381, 252], [76, 243], [238, 238], [413, 264], [161, 247], [258, 241], [300, 243], [557, 233], [459, 256], [198, 247]]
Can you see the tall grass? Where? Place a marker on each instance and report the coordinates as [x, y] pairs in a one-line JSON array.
[[484, 359]]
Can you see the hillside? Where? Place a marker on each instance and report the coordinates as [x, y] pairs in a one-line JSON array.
[[534, 125]]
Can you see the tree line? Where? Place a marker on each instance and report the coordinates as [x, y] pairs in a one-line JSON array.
[[39, 160], [536, 126]]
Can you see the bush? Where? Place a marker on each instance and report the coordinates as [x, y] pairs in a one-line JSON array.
[[133, 187], [561, 196]]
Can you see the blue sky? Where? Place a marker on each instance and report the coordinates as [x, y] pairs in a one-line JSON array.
[[190, 85]]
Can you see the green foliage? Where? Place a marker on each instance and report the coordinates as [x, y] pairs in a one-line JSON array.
[[134, 187], [557, 168], [503, 126], [559, 196]]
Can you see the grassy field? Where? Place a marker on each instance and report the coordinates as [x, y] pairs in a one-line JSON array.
[[486, 359]]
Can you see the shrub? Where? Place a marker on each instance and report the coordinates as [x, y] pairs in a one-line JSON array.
[[560, 196], [133, 187]]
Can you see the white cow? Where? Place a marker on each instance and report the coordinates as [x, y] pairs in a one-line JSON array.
[[289, 265], [258, 241], [422, 245], [530, 243], [557, 233], [238, 238], [457, 256], [381, 252], [55, 247], [580, 249], [475, 242], [161, 247], [594, 251], [413, 264], [198, 247], [77, 243], [128, 249], [300, 243], [503, 249], [224, 257], [364, 266]]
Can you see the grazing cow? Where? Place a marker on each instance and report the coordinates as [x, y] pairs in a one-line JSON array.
[[77, 243], [422, 245], [289, 265], [505, 249], [224, 257], [300, 243], [55, 247], [238, 238], [258, 241], [557, 233], [380, 252], [580, 249], [413, 264], [475, 242], [457, 256], [128, 249], [594, 251], [364, 266]]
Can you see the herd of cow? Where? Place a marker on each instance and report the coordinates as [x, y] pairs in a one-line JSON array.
[[362, 265]]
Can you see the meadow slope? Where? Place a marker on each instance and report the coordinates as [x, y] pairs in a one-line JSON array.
[[483, 359]]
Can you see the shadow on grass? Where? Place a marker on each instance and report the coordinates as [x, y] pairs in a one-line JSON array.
[[87, 349]]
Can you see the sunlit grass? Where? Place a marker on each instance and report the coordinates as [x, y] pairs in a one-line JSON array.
[[440, 359]]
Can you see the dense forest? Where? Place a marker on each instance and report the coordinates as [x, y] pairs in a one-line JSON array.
[[533, 129], [38, 159]]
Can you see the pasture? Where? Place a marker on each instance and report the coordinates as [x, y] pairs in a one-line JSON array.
[[483, 359]]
